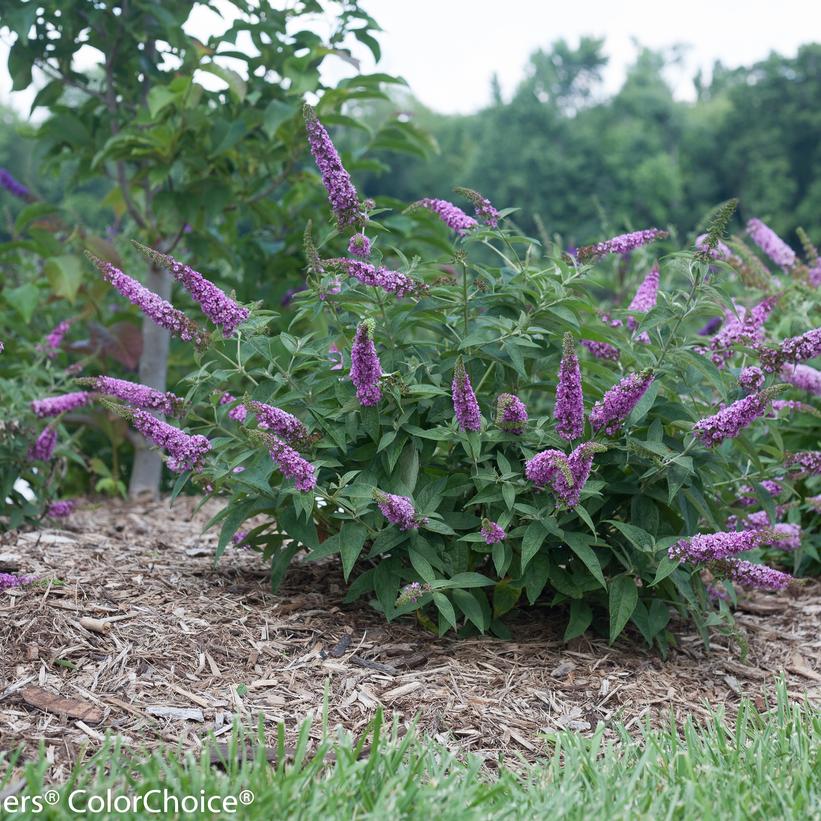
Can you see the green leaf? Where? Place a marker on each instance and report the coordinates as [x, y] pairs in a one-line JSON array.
[[464, 580], [445, 608], [421, 565], [236, 85], [532, 541], [623, 598], [579, 543], [505, 596], [535, 577], [65, 275], [470, 605], [351, 539], [23, 299], [665, 568], [581, 614], [637, 536]]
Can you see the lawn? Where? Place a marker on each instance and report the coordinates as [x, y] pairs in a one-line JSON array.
[[768, 765]]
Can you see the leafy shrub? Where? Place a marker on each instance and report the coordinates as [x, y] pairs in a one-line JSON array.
[[410, 421]]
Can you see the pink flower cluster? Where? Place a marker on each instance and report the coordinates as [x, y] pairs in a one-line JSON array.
[[622, 244], [716, 546], [9, 580], [644, 301], [720, 252], [569, 408], [157, 309], [366, 369], [43, 447], [61, 509], [771, 244], [794, 349], [394, 282], [742, 327], [55, 405], [465, 405], [511, 413], [615, 406], [730, 421], [55, 338], [184, 452], [337, 181], [223, 311], [398, 510], [359, 246], [751, 378], [281, 423], [137, 395], [565, 474], [803, 377], [291, 464], [602, 350], [805, 463], [492, 532], [453, 216], [747, 500], [238, 413]]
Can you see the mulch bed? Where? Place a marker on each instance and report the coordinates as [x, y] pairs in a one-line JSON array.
[[139, 634]]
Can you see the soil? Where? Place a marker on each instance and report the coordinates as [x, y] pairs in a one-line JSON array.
[[142, 635]]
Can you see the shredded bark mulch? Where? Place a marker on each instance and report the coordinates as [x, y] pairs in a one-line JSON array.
[[133, 630]]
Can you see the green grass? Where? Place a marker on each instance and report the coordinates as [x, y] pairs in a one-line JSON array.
[[768, 766]]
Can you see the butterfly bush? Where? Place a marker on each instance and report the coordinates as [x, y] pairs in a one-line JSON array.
[[363, 443], [770, 243]]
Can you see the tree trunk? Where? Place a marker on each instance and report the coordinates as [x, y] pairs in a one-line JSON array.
[[147, 470]]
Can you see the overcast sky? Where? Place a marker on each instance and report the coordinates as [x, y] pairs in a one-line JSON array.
[[448, 50]]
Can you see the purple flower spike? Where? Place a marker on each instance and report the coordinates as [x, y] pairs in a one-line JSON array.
[[398, 510], [615, 406], [137, 395], [184, 452], [394, 282], [453, 216], [742, 327], [771, 244], [55, 405], [337, 181], [804, 463], [748, 500], [511, 413], [62, 509], [14, 186], [291, 464], [566, 475], [711, 326], [9, 580], [43, 448], [465, 405], [730, 421], [281, 423], [757, 576], [716, 546], [366, 369], [794, 349], [158, 310], [751, 378], [720, 252], [569, 408], [359, 246], [223, 311], [622, 244], [646, 296], [239, 413], [485, 212], [803, 377], [492, 532], [602, 350], [55, 338]]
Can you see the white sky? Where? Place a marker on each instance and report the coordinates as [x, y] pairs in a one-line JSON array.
[[448, 50]]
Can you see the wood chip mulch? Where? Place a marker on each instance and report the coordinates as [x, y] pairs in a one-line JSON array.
[[132, 630]]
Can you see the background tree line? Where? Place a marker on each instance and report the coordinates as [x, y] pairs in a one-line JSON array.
[[587, 164]]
